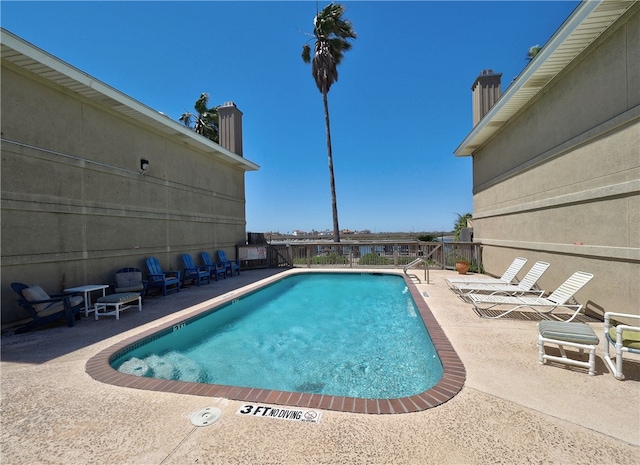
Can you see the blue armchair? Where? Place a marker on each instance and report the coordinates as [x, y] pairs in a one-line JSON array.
[[159, 278], [194, 273], [45, 308], [215, 269], [230, 265]]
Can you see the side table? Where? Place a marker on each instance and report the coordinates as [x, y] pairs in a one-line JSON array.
[[87, 290]]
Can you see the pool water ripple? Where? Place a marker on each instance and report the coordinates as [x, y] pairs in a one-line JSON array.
[[342, 335], [305, 390]]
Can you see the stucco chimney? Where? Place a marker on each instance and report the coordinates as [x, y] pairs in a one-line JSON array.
[[230, 126], [485, 91]]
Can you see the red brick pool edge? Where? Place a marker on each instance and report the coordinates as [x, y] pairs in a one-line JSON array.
[[453, 378]]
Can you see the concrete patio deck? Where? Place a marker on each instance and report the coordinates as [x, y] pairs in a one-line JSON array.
[[510, 410]]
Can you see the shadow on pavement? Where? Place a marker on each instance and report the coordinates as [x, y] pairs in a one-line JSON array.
[[56, 340]]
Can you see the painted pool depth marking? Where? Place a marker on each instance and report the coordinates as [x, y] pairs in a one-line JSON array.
[[354, 335], [266, 411]]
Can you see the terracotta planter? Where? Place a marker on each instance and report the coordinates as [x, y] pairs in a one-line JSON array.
[[462, 267]]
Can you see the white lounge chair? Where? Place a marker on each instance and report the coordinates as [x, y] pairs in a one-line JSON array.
[[624, 338], [525, 286], [508, 276], [539, 304]]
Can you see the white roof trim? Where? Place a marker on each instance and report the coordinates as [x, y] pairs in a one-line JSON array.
[[33, 59], [587, 22]]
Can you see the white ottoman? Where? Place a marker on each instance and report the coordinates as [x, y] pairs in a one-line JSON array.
[[561, 333], [113, 304]]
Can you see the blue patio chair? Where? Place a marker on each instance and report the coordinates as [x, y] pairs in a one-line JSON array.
[[230, 265], [195, 273], [45, 308], [159, 278], [215, 269]]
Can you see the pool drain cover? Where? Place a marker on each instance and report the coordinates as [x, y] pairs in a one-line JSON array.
[[207, 416]]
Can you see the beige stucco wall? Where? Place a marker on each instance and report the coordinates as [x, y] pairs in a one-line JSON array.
[[561, 181], [75, 207]]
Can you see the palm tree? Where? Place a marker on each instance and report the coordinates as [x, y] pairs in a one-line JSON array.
[[533, 51], [460, 224], [205, 120], [331, 33]]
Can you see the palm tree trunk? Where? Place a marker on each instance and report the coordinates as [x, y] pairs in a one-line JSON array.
[[334, 202]]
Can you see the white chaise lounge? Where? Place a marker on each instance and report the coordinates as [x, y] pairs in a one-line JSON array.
[[523, 287], [539, 304], [507, 278]]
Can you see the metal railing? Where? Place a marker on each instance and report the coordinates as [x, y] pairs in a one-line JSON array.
[[422, 261], [373, 254]]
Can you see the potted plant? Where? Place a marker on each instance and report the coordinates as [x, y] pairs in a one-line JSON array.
[[462, 264]]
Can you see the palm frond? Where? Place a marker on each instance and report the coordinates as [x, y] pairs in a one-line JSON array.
[[306, 53], [332, 34], [186, 119], [201, 104], [206, 120]]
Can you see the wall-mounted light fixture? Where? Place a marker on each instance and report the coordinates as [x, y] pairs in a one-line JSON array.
[[144, 165]]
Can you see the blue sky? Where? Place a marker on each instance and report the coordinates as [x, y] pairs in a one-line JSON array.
[[401, 106]]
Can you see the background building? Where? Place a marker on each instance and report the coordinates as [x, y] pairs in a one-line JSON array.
[[556, 159], [76, 204]]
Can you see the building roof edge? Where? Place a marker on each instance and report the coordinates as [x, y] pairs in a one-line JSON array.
[[29, 57], [589, 20]]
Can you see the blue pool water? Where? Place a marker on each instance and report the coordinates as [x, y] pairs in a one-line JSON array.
[[341, 334]]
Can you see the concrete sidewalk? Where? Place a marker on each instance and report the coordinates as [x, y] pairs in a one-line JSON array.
[[510, 410]]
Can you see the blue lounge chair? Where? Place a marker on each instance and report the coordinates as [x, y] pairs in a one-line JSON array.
[[159, 278], [230, 265], [215, 269], [195, 273], [45, 308]]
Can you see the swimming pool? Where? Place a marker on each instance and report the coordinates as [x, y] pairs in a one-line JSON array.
[[355, 335], [398, 390]]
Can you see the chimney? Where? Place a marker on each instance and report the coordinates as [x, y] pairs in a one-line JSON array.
[[485, 91], [230, 127]]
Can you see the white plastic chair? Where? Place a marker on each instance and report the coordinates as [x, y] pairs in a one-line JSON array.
[[558, 298], [624, 338]]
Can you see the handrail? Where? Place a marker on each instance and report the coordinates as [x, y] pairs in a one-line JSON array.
[[413, 263], [424, 259]]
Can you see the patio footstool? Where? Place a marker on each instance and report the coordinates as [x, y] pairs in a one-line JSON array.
[[561, 333], [118, 302]]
